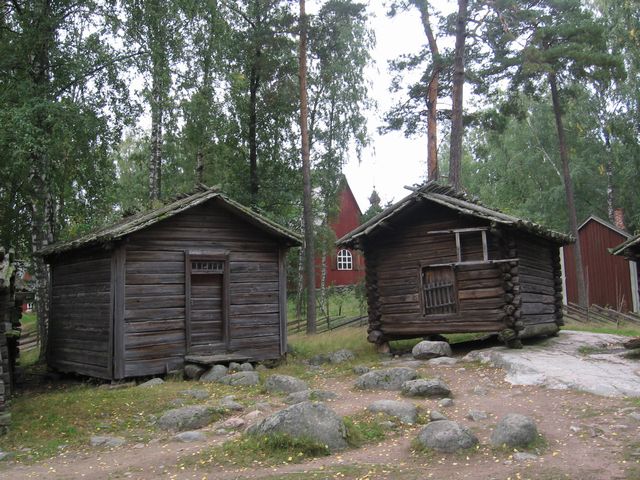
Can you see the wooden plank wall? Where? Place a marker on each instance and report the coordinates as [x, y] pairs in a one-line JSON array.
[[397, 255], [537, 284], [80, 319], [155, 288]]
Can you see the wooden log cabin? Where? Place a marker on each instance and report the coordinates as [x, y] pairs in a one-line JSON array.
[[630, 249], [203, 275], [438, 262]]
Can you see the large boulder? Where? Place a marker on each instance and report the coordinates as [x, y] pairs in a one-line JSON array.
[[446, 436], [151, 383], [406, 412], [386, 379], [514, 430], [241, 379], [309, 420], [305, 395], [186, 418], [284, 384], [426, 350], [193, 371], [214, 374], [433, 388]]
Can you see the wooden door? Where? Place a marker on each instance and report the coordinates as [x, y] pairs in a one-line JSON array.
[[206, 306]]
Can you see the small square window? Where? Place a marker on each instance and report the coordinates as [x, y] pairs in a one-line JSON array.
[[344, 260], [439, 291]]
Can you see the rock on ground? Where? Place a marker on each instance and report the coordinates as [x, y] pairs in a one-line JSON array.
[[305, 395], [426, 350], [311, 420], [341, 356], [445, 402], [514, 430], [233, 423], [524, 457], [386, 379], [106, 441], [190, 436], [246, 367], [241, 379], [442, 361], [229, 403], [193, 372], [436, 416], [477, 415], [195, 393], [284, 384], [319, 359], [152, 383], [361, 369], [446, 436], [214, 374], [432, 387], [186, 418], [234, 367], [406, 412]]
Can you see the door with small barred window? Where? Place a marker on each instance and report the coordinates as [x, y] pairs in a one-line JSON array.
[[206, 304]]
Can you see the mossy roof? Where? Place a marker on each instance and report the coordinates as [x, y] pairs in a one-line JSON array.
[[456, 201], [140, 221]]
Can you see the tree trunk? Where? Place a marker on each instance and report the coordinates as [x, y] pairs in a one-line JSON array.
[[310, 276], [254, 85], [457, 127], [568, 189], [432, 93], [199, 167]]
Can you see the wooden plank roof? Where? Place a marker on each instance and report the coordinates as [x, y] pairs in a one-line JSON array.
[[140, 221], [457, 201]]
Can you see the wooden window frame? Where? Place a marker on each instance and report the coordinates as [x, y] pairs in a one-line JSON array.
[[207, 255], [423, 300], [457, 232], [350, 258]]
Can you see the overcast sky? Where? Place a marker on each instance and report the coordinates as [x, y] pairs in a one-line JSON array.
[[392, 161]]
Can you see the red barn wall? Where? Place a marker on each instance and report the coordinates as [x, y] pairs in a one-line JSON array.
[[607, 276], [348, 219]]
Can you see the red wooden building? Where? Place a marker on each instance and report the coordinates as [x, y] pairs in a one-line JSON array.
[[345, 266], [610, 280]]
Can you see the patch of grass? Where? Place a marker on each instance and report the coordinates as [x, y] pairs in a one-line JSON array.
[[590, 350], [260, 451], [354, 339], [624, 330], [64, 417], [538, 446], [29, 358], [366, 428], [28, 321]]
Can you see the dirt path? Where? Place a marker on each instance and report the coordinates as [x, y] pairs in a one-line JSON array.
[[587, 437]]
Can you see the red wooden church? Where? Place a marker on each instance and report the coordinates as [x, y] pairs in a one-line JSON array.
[[345, 266], [611, 281]]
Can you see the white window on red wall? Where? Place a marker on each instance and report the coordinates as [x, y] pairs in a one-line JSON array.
[[345, 260]]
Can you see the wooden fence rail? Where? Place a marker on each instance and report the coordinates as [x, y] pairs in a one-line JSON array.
[[326, 324], [599, 315]]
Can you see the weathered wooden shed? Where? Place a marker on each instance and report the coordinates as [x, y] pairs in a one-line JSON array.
[[203, 275], [610, 281], [438, 262]]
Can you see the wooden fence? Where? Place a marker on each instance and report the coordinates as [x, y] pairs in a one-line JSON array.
[[599, 316], [326, 324]]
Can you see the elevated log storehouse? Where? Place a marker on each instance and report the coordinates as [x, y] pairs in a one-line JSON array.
[[203, 276], [438, 262]]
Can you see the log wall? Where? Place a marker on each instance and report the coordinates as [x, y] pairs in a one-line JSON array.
[[394, 259], [154, 313], [80, 315]]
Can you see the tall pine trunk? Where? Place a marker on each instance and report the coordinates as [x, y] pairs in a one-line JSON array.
[[310, 274], [155, 164], [457, 127], [432, 94], [568, 189]]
